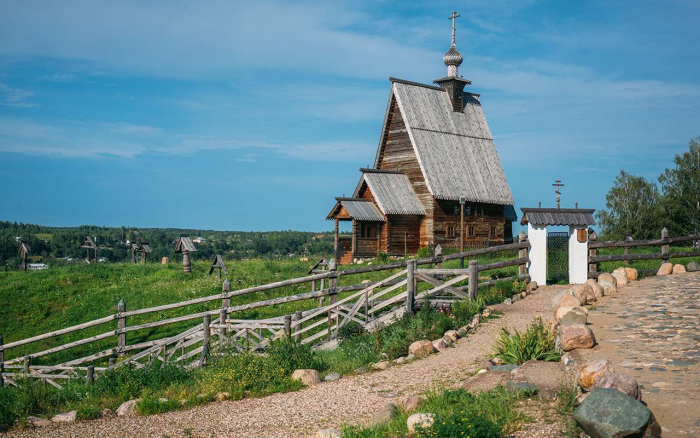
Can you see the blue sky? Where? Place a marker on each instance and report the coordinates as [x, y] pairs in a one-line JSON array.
[[254, 115]]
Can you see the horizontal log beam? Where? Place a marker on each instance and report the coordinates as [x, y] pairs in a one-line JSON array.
[[619, 257]]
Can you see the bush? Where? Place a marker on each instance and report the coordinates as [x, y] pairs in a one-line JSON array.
[[464, 310], [427, 323], [382, 258], [461, 424], [423, 252], [537, 343], [350, 330]]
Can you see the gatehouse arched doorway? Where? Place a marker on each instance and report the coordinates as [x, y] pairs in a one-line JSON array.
[[556, 257]]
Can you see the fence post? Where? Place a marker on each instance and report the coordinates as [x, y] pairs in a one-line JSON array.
[[111, 362], [2, 364], [333, 294], [410, 285], [205, 340], [473, 279], [26, 365], [297, 316], [664, 246], [592, 252], [225, 304], [438, 255], [522, 269], [627, 248], [121, 326], [288, 326], [91, 374]]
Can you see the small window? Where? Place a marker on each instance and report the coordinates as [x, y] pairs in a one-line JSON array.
[[492, 232], [470, 231], [450, 231]]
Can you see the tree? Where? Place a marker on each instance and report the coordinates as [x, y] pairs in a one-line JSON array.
[[681, 191], [632, 208]]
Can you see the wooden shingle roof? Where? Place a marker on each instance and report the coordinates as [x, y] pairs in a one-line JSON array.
[[455, 150], [393, 192], [557, 216], [358, 209], [88, 243], [185, 244]]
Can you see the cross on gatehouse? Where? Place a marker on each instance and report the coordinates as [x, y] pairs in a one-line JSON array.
[[556, 190], [452, 17]]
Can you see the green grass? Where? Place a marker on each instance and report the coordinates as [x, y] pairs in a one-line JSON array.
[[536, 343], [644, 265], [490, 414]]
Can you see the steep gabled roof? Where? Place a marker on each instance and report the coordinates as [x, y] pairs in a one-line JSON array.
[[185, 244], [455, 150], [393, 192], [88, 243]]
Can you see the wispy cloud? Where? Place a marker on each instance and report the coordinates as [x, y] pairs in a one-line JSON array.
[[15, 97]]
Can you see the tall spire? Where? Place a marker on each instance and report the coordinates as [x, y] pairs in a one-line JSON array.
[[452, 59]]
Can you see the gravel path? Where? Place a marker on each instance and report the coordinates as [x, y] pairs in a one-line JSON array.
[[350, 400]]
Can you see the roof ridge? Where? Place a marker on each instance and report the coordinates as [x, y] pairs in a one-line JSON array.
[[366, 170], [417, 84]]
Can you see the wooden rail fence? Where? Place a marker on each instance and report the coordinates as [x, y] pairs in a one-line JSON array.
[[370, 304], [664, 242]]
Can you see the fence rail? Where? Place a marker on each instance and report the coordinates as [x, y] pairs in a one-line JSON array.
[[664, 241], [370, 304]]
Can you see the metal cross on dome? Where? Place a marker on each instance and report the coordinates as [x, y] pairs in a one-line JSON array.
[[452, 17], [557, 185]]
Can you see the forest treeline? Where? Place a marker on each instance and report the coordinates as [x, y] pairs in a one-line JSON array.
[[640, 207], [56, 244]]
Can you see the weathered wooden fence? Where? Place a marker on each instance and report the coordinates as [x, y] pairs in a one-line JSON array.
[[665, 254], [369, 304]]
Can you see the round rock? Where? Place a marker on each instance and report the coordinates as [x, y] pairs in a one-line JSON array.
[[608, 413]]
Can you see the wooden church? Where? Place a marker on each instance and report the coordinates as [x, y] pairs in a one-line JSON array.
[[436, 163]]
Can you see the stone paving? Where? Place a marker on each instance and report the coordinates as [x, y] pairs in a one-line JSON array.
[[650, 330]]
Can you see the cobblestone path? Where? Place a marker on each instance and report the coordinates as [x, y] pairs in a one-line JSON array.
[[650, 330]]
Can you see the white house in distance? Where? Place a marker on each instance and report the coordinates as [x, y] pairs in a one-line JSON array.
[[37, 266]]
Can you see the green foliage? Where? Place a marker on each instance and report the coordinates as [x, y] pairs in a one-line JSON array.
[[350, 330], [681, 191], [382, 258], [464, 310], [423, 252], [632, 208], [537, 343], [458, 413], [427, 323], [498, 292]]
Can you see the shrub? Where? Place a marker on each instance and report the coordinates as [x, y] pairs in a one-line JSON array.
[[423, 252], [537, 343], [461, 424], [350, 330], [382, 258], [464, 310], [427, 323]]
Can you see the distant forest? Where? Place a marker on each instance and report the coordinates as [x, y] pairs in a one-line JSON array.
[[54, 245]]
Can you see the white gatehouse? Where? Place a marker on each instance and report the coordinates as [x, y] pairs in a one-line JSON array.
[[542, 257]]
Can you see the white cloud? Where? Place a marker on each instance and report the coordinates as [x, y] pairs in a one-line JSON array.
[[15, 97]]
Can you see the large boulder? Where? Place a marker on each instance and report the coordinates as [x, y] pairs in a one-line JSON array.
[[576, 336], [440, 345], [567, 301], [678, 269], [127, 408], [544, 375], [571, 315], [692, 266], [486, 381], [38, 422], [592, 370], [621, 276], [583, 293], [421, 348], [66, 417], [307, 377], [453, 335], [422, 421], [665, 269], [598, 291], [384, 415], [531, 287], [608, 413], [606, 277], [623, 383], [632, 274]]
